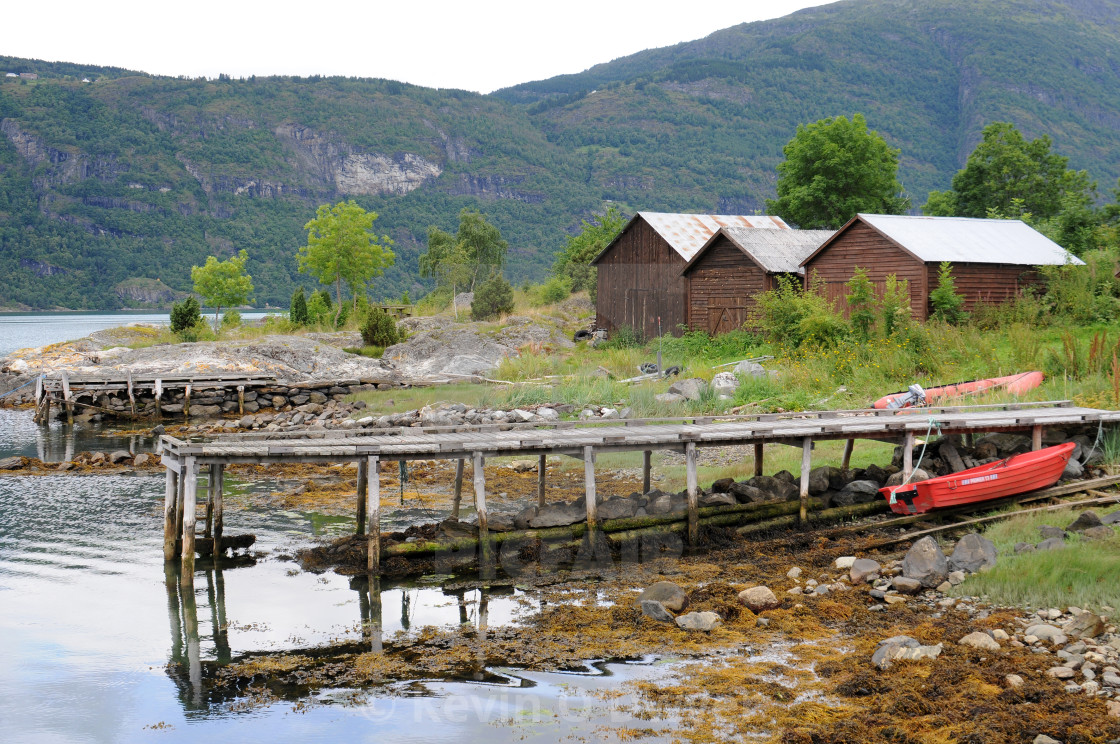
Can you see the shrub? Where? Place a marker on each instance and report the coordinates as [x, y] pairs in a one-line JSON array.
[[185, 315], [297, 313], [826, 329], [895, 306], [624, 337], [492, 299], [1085, 294], [379, 329], [947, 302], [319, 308], [786, 315], [861, 303], [231, 319], [556, 289]]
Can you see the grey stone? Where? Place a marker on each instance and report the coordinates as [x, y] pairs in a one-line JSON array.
[[705, 621], [668, 398], [758, 599], [902, 648], [863, 570], [11, 463], [557, 515], [725, 383], [1024, 547], [819, 480], [1073, 470], [973, 553], [119, 456], [1084, 521], [745, 493], [981, 641], [1060, 672], [141, 459], [750, 369], [775, 489], [1044, 739], [918, 475], [926, 563], [723, 485], [1047, 531], [718, 499], [904, 585], [1006, 444], [1053, 543], [317, 397], [1102, 532], [1086, 625], [617, 509], [1046, 632], [689, 389], [1111, 679], [666, 593], [523, 519], [956, 578], [1111, 518], [655, 611]]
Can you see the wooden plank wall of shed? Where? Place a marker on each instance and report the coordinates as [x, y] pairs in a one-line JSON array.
[[721, 288], [640, 280], [862, 246], [987, 283]]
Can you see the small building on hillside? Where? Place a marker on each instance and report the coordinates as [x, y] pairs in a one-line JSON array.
[[992, 260], [738, 263], [639, 277]]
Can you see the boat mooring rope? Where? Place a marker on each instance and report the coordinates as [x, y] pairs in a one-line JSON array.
[[925, 443]]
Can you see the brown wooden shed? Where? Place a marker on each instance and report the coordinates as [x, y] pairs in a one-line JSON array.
[[738, 263], [992, 259], [639, 277]]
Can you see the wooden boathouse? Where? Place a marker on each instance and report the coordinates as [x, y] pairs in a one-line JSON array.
[[738, 263], [639, 272], [186, 460], [992, 260]]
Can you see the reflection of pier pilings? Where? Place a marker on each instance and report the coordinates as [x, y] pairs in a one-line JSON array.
[[369, 606], [182, 612]]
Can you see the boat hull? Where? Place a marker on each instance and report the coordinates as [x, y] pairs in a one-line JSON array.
[[1014, 475], [1014, 384]]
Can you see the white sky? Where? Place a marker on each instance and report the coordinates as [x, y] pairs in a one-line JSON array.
[[480, 46]]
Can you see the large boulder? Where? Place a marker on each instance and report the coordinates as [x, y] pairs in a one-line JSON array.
[[776, 489], [864, 569], [1046, 632], [718, 499], [973, 553], [1005, 444], [725, 383], [1051, 543], [617, 509], [926, 563], [1084, 521], [750, 369], [689, 389], [557, 515], [819, 480], [745, 493], [11, 463], [723, 485], [902, 648], [1111, 518], [1102, 532], [758, 599], [918, 475], [706, 621], [981, 641], [671, 596], [1048, 531], [1086, 625], [857, 492]]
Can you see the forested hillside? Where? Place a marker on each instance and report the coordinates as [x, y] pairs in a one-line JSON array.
[[132, 176]]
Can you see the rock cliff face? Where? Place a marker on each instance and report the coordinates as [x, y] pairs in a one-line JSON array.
[[63, 167], [352, 171], [150, 292]]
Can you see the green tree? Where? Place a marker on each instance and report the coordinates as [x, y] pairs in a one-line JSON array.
[[461, 261], [574, 260], [946, 301], [297, 312], [895, 306], [223, 283], [493, 299], [341, 248], [185, 315], [833, 169], [861, 304]]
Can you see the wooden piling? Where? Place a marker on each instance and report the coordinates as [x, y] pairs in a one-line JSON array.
[[187, 402], [480, 507], [589, 494], [373, 489], [849, 445], [66, 401], [908, 457], [217, 505], [542, 464], [806, 467], [158, 390], [179, 509], [758, 459], [209, 526], [240, 400], [131, 394], [647, 461], [170, 509], [693, 494], [458, 489], [1036, 438], [190, 493], [360, 528]]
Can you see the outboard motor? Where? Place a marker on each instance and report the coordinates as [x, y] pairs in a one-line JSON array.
[[915, 396]]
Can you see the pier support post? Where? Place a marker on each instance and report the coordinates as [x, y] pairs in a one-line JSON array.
[[190, 494], [66, 400], [806, 467], [240, 400], [480, 507], [542, 466], [1036, 438], [458, 489], [693, 494], [217, 505], [360, 528], [131, 394], [647, 470], [849, 445], [187, 403], [182, 487], [373, 490], [589, 490], [170, 509], [158, 388], [908, 457], [758, 459]]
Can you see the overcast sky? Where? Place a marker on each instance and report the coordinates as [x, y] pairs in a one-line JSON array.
[[479, 46]]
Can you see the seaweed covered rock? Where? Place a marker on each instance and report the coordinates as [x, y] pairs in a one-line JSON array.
[[926, 563], [668, 594]]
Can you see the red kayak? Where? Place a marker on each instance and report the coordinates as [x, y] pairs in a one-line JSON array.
[[916, 396], [1013, 475]]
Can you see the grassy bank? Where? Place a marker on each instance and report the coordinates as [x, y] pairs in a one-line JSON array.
[[1083, 574]]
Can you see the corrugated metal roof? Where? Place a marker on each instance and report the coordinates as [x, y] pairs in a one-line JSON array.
[[971, 240], [778, 251], [687, 233]]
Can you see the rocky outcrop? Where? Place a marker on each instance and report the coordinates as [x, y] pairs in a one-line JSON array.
[[62, 167], [152, 292]]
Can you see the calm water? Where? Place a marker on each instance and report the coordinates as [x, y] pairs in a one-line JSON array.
[[98, 644]]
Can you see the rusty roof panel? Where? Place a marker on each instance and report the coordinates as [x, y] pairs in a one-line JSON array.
[[687, 233]]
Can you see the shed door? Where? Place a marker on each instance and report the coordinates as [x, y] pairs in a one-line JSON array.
[[725, 319], [638, 308]]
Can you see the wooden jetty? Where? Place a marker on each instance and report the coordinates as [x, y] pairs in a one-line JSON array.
[[368, 449]]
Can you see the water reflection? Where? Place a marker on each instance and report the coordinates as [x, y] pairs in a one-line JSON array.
[[59, 442]]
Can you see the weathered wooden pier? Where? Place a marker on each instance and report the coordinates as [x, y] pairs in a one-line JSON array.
[[185, 461]]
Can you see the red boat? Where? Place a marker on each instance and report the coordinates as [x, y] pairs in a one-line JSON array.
[[1014, 384], [1013, 475]]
